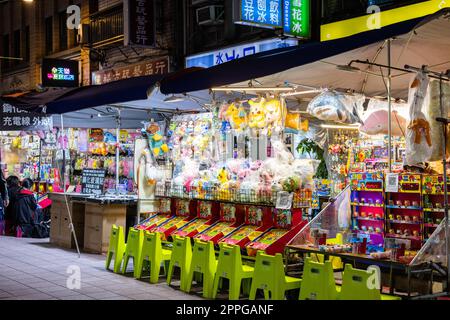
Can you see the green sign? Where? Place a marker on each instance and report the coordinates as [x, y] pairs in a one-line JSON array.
[[297, 18]]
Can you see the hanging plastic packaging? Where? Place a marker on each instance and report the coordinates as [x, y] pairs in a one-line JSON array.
[[418, 134], [433, 110], [376, 118], [337, 107]]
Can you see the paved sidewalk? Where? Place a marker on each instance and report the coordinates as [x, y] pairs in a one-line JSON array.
[[33, 269]]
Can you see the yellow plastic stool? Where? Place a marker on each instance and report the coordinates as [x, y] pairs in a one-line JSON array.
[[335, 261], [318, 281], [356, 286], [270, 277], [153, 252], [181, 258], [133, 249], [203, 262], [230, 267], [116, 248]]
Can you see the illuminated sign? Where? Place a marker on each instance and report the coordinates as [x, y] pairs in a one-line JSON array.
[[60, 73], [297, 18], [214, 58], [261, 13]]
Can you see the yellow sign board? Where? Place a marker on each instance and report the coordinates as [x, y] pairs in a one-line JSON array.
[[346, 28]]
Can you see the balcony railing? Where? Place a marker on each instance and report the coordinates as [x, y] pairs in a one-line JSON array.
[[107, 25], [337, 10]]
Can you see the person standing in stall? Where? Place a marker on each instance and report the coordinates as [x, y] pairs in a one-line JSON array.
[[13, 185], [4, 203], [25, 209]]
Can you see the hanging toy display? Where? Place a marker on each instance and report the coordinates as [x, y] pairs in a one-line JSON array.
[[237, 117], [257, 117], [156, 139]]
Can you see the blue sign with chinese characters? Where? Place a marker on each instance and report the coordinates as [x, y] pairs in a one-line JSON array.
[[214, 58], [263, 13]]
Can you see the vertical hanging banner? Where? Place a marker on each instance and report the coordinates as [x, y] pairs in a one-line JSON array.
[[260, 13], [297, 15], [140, 23]]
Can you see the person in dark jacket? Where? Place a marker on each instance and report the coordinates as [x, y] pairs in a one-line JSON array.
[[4, 201], [13, 184], [25, 208]]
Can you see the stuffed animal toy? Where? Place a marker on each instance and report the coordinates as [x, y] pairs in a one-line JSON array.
[[257, 116], [281, 152], [275, 114], [421, 126], [155, 139], [294, 123], [237, 116]]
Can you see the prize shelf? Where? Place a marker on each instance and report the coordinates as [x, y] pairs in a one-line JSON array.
[[433, 202], [404, 210], [367, 203]]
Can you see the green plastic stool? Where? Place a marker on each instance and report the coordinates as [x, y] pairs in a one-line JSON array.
[[318, 281], [181, 258], [355, 286], [203, 262], [133, 249], [229, 266], [153, 252], [116, 248], [270, 277]]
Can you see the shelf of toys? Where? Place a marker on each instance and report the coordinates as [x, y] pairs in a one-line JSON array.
[[96, 149], [404, 210], [433, 202]]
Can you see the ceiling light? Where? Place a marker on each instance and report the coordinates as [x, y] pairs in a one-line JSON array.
[[299, 93], [348, 127], [348, 68], [254, 89], [174, 99]]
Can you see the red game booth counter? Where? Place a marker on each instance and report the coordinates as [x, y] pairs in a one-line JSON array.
[[231, 217], [286, 224], [185, 211], [164, 213], [207, 215], [257, 220]]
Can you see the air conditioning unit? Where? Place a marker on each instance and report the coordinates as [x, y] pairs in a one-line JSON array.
[[210, 15], [83, 36]]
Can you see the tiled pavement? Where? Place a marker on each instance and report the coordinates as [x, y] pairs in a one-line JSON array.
[[33, 269]]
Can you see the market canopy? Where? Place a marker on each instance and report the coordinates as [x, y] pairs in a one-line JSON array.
[[319, 65]]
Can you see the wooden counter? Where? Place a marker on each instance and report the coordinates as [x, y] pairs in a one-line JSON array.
[[92, 220]]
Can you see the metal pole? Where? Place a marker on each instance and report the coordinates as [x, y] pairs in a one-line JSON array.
[[444, 164], [117, 151], [389, 84], [72, 229]]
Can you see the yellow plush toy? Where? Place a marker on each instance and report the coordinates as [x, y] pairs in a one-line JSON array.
[[224, 189], [257, 117], [237, 117], [275, 114]]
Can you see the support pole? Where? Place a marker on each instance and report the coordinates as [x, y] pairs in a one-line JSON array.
[[72, 229], [389, 92], [118, 150]]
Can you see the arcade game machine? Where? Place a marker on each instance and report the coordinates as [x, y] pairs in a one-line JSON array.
[[164, 213], [231, 218], [207, 215], [257, 220], [286, 224], [185, 211]]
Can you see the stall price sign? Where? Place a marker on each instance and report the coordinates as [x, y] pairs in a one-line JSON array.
[[284, 200], [15, 119], [392, 182], [260, 13], [140, 23], [297, 15], [92, 181]]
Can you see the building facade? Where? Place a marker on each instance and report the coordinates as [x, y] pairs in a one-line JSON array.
[[38, 29]]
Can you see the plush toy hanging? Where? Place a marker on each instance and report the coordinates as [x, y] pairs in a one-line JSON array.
[[155, 138], [275, 113], [237, 117], [257, 117]]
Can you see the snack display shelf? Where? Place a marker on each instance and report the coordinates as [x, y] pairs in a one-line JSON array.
[[367, 205], [369, 219], [405, 222], [391, 235], [403, 207]]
